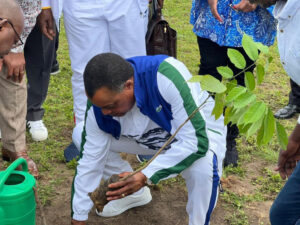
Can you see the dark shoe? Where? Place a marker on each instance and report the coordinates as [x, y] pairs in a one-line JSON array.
[[232, 155], [71, 152], [142, 158], [55, 68], [12, 156], [287, 112]]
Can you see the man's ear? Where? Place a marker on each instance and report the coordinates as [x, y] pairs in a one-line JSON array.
[[2, 22], [129, 84]]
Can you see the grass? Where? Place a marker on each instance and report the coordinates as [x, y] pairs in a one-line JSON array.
[[59, 121]]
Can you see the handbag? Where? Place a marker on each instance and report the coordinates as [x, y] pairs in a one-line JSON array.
[[160, 37]]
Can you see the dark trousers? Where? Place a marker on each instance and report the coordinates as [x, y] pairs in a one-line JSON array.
[[39, 54], [286, 207], [294, 97], [212, 56]]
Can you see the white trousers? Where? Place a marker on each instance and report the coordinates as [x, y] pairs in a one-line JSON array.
[[94, 27], [202, 177]]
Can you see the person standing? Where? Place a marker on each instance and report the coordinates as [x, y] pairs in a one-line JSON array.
[[219, 25], [13, 92]]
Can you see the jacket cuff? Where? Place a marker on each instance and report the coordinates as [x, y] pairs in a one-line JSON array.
[[80, 217]]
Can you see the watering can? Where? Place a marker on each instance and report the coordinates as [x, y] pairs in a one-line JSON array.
[[17, 199]]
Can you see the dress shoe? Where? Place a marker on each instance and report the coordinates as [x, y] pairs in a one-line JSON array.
[[12, 156], [287, 112]]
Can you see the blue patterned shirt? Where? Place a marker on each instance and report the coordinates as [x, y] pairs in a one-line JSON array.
[[260, 23]]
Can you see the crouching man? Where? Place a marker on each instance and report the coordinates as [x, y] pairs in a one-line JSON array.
[[134, 106]]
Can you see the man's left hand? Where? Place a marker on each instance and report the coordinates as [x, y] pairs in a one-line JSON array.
[[245, 6], [127, 187], [15, 63]]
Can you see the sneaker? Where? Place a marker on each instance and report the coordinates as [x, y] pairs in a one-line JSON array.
[[55, 69], [116, 207], [71, 152], [287, 112], [37, 130]]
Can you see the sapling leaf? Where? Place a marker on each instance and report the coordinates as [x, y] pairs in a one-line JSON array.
[[254, 127], [249, 80], [255, 112], [260, 135], [227, 115], [244, 128], [250, 47], [281, 135], [244, 100], [260, 72], [262, 48], [234, 93], [270, 59], [269, 127], [225, 71], [236, 58], [209, 83], [219, 106], [230, 85], [237, 115]]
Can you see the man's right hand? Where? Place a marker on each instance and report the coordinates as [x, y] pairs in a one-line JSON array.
[[76, 222], [213, 8], [46, 23]]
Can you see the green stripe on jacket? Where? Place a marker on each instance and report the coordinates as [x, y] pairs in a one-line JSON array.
[[197, 122], [83, 140]]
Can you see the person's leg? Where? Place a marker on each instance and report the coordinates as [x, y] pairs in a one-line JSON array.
[[293, 106], [286, 207], [39, 53], [202, 181], [127, 28], [55, 63], [87, 36], [13, 97]]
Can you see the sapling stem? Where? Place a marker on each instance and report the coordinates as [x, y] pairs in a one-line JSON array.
[[167, 142]]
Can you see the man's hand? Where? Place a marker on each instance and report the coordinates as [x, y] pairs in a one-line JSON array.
[[213, 8], [46, 23], [288, 159], [245, 6], [127, 187], [15, 63], [76, 222], [1, 63]]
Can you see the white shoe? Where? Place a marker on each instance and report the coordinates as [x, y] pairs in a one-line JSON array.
[[37, 130], [116, 207]]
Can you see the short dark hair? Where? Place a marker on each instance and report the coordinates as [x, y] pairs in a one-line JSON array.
[[106, 70]]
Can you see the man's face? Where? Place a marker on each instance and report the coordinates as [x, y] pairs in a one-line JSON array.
[[8, 37], [115, 103]]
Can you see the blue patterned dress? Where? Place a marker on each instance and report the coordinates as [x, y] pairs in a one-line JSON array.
[[260, 24]]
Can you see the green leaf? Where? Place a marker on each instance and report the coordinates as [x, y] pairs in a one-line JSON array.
[[234, 93], [229, 111], [225, 71], [238, 115], [209, 83], [250, 47], [244, 128], [260, 135], [262, 48], [244, 99], [249, 80], [270, 59], [260, 72], [255, 112], [230, 85], [281, 135], [269, 127], [254, 127], [219, 106], [236, 58]]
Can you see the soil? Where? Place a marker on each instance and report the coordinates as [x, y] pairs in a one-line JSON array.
[[166, 208]]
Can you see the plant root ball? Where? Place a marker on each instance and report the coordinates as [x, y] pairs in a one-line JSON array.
[[98, 196]]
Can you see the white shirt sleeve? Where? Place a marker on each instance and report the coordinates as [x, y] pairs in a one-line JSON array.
[[90, 167]]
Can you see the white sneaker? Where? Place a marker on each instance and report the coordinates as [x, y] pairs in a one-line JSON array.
[[116, 207], [37, 130]]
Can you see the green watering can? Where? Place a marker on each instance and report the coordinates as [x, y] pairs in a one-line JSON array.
[[17, 199]]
